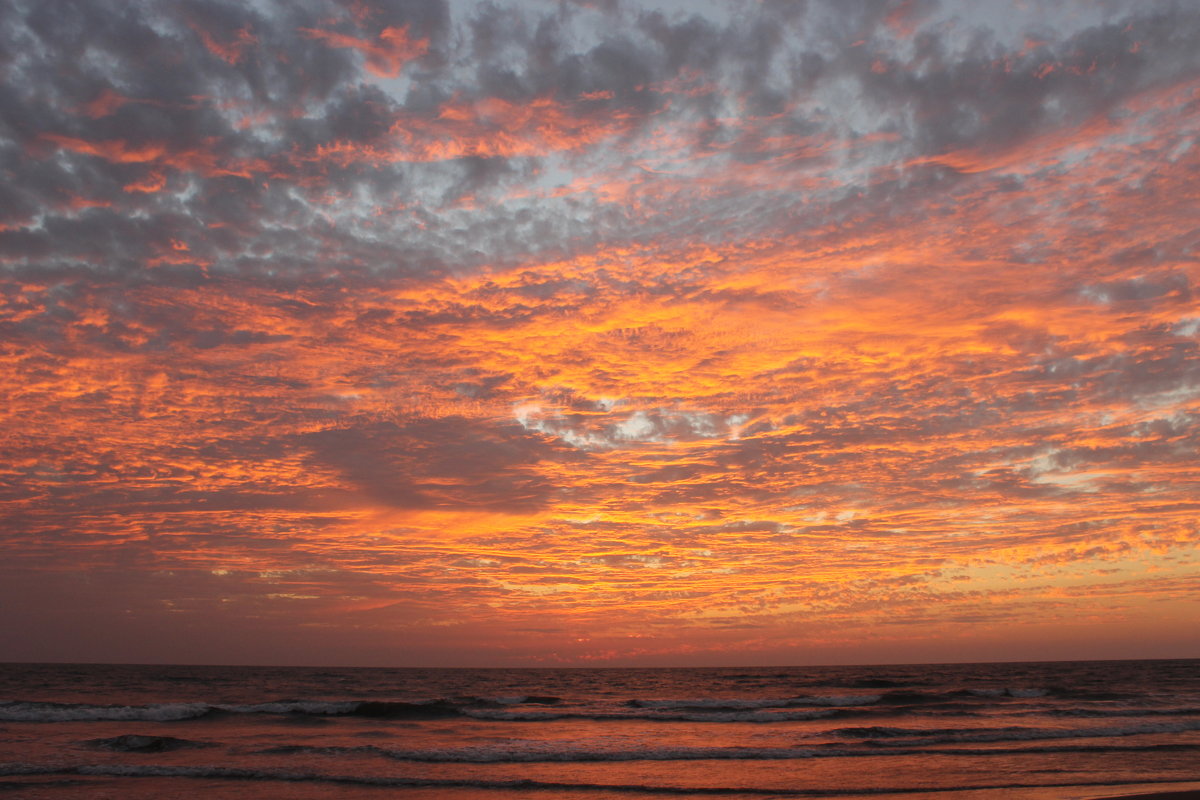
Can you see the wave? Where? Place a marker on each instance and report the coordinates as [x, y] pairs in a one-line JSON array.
[[740, 704], [665, 715], [882, 732], [234, 773], [896, 697], [916, 737], [758, 716], [911, 697], [1118, 712], [545, 753], [1005, 692], [394, 710], [137, 743], [78, 712], [877, 683], [958, 703], [21, 711], [530, 753], [289, 776], [951, 702]]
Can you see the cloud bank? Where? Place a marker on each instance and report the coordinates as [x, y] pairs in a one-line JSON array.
[[618, 332]]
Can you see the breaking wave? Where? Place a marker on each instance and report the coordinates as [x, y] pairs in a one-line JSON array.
[[137, 743], [916, 737], [290, 776]]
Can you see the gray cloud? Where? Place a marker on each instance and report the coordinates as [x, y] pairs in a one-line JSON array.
[[446, 463], [241, 102]]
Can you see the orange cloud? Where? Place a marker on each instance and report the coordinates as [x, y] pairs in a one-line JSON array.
[[385, 56], [119, 151], [230, 52], [105, 103], [684, 382]]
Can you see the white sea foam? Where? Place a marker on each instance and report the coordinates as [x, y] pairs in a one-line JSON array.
[[294, 707], [1009, 692], [736, 703], [840, 700], [525, 716], [162, 712], [713, 702], [915, 737], [65, 712]]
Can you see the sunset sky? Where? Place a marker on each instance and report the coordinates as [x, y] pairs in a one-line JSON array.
[[613, 332]]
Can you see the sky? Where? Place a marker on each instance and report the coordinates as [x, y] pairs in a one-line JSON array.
[[444, 333]]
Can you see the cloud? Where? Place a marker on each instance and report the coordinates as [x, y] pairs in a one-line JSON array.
[[446, 462], [615, 317]]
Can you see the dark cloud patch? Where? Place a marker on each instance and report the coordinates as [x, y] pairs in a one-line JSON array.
[[207, 116], [447, 463], [357, 114], [482, 386], [1058, 84], [1144, 291], [425, 18]]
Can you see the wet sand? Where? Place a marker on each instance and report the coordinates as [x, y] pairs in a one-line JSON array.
[[1188, 794]]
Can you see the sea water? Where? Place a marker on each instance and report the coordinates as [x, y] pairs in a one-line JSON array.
[[965, 731]]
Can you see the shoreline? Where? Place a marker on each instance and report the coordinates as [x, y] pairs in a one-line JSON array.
[[1169, 794]]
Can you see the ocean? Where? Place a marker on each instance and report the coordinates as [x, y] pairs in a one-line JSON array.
[[977, 731]]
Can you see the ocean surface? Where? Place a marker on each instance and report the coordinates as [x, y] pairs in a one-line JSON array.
[[978, 731]]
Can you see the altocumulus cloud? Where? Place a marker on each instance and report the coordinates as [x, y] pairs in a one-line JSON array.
[[638, 317]]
